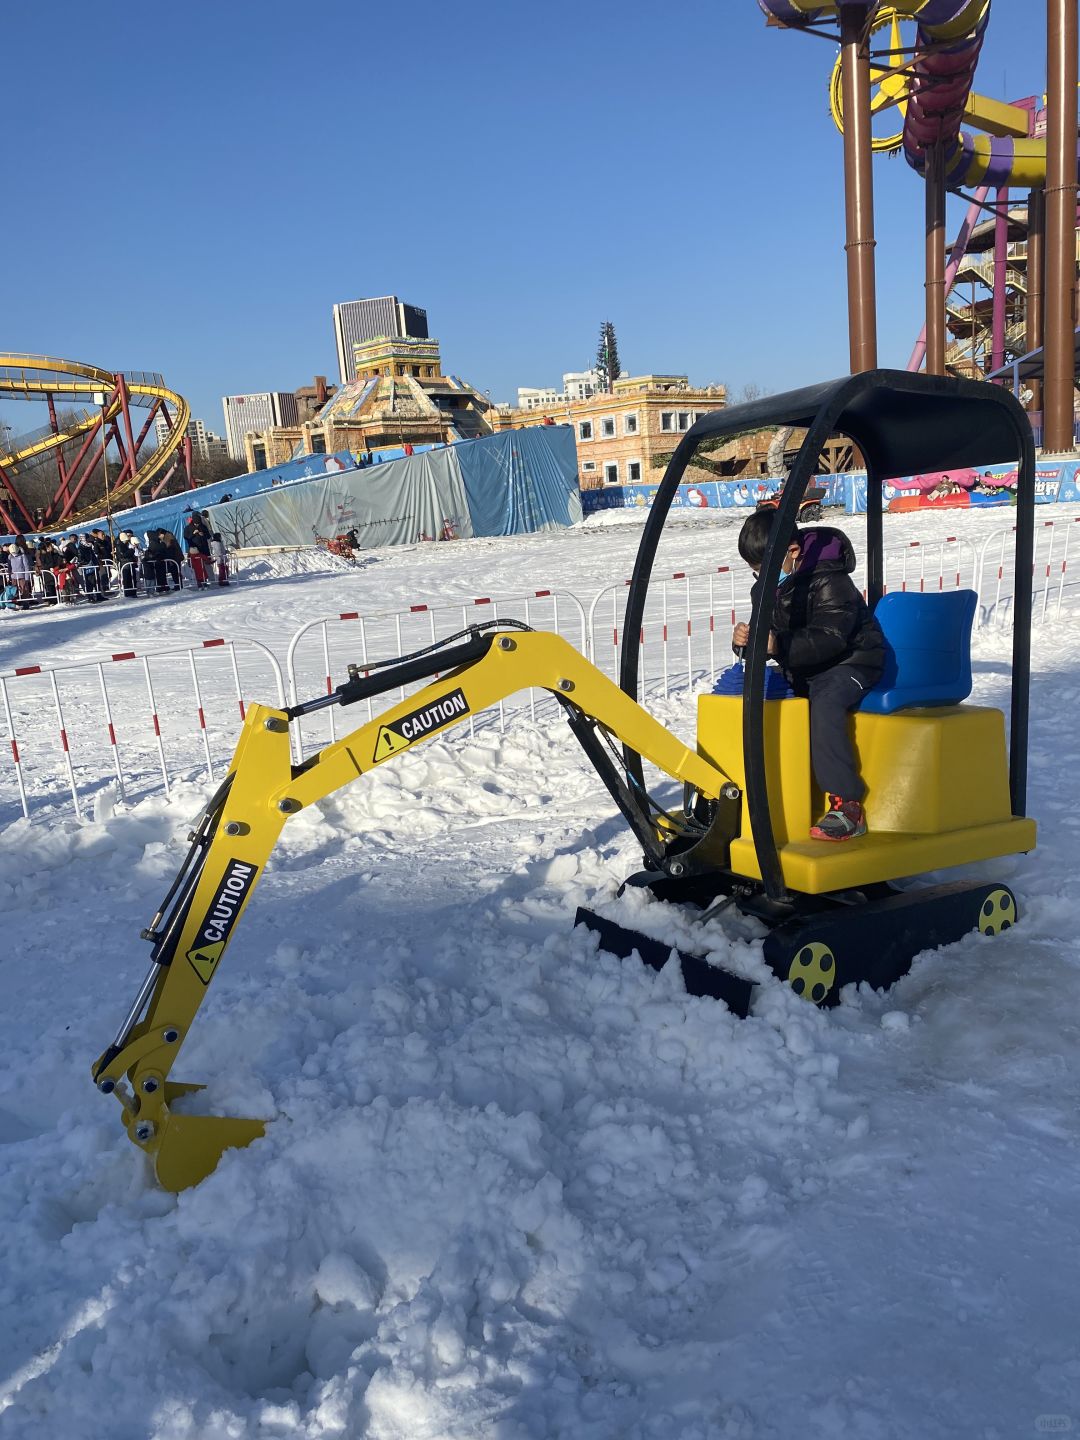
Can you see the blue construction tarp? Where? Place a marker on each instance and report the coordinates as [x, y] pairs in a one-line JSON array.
[[514, 483], [521, 480], [171, 511]]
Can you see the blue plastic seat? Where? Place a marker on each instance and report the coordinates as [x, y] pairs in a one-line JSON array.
[[927, 650]]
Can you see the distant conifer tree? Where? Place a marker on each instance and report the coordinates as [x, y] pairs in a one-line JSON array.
[[607, 356]]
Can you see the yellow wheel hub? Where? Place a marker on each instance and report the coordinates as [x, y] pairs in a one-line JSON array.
[[812, 973], [998, 913]]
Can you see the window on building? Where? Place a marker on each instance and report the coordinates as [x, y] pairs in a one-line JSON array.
[[667, 420], [611, 472], [684, 419], [589, 465], [633, 471], [607, 427], [258, 454], [318, 444], [584, 430], [630, 424]]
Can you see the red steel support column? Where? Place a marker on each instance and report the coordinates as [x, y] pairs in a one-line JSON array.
[[935, 260], [6, 512], [96, 455], [1061, 75], [858, 189], [62, 497], [55, 424], [125, 409]]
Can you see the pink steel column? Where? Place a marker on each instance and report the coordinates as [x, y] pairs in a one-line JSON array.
[[959, 250]]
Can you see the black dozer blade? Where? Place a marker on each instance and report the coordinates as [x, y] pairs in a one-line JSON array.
[[699, 977], [870, 942]]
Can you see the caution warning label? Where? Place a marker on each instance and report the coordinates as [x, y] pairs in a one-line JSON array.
[[217, 923], [399, 734]]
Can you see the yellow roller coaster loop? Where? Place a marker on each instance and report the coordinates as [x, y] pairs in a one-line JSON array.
[[889, 89], [45, 377]]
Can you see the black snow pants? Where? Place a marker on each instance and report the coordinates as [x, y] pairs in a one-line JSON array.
[[832, 694]]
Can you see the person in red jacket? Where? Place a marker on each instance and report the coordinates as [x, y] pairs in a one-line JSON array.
[[197, 541]]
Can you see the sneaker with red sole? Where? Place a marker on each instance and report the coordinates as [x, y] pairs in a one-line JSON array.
[[844, 820]]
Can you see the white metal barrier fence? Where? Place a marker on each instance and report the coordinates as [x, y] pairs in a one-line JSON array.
[[677, 639], [685, 612], [132, 717], [177, 717], [321, 651], [930, 566], [1053, 582], [75, 583]]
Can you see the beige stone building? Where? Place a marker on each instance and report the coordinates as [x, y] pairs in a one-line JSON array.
[[400, 397], [624, 437], [628, 436]]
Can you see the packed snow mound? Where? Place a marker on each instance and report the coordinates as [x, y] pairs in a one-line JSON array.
[[258, 565], [510, 1185]]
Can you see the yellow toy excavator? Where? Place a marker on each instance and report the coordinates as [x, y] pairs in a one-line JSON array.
[[943, 790]]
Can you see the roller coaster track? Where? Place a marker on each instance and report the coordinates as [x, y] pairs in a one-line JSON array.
[[44, 377]]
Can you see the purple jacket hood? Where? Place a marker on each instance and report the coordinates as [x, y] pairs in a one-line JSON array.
[[823, 548]]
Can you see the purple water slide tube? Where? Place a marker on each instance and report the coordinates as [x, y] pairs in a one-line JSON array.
[[950, 39]]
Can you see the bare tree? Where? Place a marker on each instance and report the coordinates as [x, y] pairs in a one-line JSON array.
[[215, 468], [240, 525], [752, 391]]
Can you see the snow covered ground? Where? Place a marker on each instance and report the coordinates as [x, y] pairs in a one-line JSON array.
[[512, 1186]]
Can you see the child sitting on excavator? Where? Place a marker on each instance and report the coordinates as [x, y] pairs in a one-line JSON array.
[[831, 650]]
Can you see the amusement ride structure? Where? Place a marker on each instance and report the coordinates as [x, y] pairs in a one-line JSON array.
[[928, 83], [89, 433]]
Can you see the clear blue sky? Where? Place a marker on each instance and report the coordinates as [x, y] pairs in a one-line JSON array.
[[190, 188]]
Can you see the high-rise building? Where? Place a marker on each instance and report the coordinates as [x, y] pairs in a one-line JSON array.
[[204, 443], [247, 413], [384, 316], [577, 385], [530, 398], [580, 384]]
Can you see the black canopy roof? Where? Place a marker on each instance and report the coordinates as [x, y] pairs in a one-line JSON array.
[[904, 424]]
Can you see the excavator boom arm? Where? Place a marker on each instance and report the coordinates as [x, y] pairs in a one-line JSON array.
[[241, 825]]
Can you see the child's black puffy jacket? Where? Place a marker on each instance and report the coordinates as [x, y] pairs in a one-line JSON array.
[[820, 618]]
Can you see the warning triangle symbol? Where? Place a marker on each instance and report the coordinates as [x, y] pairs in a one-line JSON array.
[[389, 742], [204, 959]]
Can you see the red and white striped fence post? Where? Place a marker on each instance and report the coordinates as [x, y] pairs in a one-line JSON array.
[[95, 671], [14, 748], [111, 728], [64, 742]]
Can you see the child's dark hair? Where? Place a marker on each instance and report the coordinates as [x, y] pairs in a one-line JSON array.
[[754, 537]]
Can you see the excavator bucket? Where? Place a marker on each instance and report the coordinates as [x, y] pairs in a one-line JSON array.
[[193, 1144], [187, 1148]]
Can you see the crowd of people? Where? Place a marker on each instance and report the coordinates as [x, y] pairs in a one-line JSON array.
[[93, 566]]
